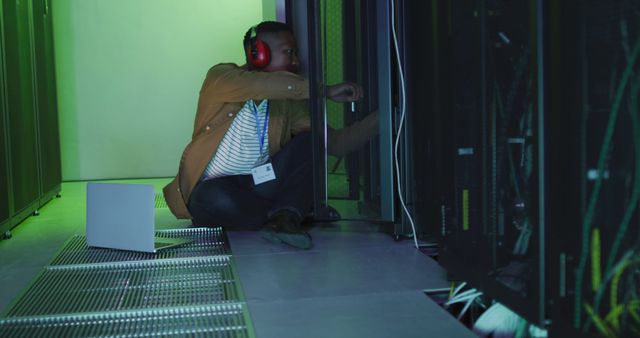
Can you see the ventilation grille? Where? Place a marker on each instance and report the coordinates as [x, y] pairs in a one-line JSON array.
[[189, 290], [159, 201], [206, 242], [129, 286], [225, 320]]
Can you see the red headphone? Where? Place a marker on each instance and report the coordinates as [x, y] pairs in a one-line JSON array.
[[259, 55]]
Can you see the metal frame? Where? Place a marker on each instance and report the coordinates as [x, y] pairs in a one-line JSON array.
[[385, 105]]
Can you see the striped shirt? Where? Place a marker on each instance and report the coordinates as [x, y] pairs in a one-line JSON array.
[[239, 150]]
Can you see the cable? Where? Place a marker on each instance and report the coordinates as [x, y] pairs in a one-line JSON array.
[[609, 276], [633, 203], [468, 304], [455, 292], [403, 111], [470, 294], [595, 194]]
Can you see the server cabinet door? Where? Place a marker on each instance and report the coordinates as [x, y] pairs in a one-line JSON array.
[[496, 237], [345, 44], [595, 91], [47, 110], [5, 198], [20, 103]]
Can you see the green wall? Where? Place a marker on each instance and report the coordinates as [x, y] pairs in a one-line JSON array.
[[269, 9], [128, 76]]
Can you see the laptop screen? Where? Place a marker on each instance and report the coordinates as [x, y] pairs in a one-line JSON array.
[[120, 216]]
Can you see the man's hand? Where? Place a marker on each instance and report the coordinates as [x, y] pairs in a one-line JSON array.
[[344, 92]]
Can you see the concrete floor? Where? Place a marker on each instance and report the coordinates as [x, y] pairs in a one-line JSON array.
[[354, 282]]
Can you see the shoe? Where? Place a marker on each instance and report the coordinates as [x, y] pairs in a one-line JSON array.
[[299, 240], [285, 221], [284, 227]]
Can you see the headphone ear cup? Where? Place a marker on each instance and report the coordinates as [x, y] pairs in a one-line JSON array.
[[260, 55]]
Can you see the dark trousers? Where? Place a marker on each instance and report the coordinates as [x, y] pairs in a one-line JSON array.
[[236, 202]]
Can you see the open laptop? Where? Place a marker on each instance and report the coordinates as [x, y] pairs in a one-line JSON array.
[[121, 216]]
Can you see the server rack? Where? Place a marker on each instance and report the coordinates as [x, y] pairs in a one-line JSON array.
[[30, 146], [5, 193], [594, 178], [494, 236], [23, 148], [426, 145], [50, 168]]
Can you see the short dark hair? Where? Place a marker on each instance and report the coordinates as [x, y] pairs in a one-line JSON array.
[[266, 27]]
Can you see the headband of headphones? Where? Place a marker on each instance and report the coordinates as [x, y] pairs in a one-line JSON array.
[[259, 54]]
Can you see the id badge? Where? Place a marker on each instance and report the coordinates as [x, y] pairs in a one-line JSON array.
[[263, 173]]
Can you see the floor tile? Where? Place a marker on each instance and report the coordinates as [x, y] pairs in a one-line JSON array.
[[355, 282]]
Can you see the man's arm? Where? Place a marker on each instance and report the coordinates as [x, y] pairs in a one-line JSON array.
[[345, 92], [230, 83], [345, 140]]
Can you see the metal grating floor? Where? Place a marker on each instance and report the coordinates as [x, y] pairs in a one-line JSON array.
[[129, 286], [187, 290], [159, 201], [206, 242], [226, 320]]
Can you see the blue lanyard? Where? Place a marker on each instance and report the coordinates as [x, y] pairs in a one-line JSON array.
[[262, 132]]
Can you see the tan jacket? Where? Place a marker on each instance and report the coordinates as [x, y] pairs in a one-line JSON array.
[[223, 93]]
